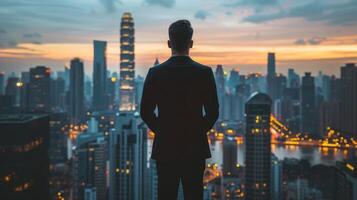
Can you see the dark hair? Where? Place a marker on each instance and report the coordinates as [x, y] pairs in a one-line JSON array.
[[180, 34]]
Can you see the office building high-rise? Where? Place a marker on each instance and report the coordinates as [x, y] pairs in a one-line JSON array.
[[127, 64], [271, 64], [220, 83], [39, 89], [271, 74], [12, 91], [90, 158], [76, 91], [308, 108], [128, 158], [230, 164], [258, 147], [349, 98], [24, 158], [2, 83], [99, 75], [293, 79], [276, 178]]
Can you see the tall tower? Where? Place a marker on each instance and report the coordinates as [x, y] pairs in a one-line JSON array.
[[39, 89], [271, 75], [127, 63], [349, 98], [128, 158], [76, 91], [308, 109], [258, 147], [220, 82], [99, 75], [271, 64]]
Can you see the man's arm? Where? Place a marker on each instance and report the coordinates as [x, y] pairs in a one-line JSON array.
[[211, 103], [148, 103]]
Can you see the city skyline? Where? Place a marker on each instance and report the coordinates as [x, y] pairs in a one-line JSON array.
[[244, 31]]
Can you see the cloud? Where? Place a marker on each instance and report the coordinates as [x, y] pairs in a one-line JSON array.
[[2, 31], [316, 40], [32, 35], [254, 3], [109, 5], [311, 41], [201, 14], [8, 44], [300, 41], [335, 14], [163, 3]]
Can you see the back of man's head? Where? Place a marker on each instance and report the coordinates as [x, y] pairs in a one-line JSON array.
[[180, 34]]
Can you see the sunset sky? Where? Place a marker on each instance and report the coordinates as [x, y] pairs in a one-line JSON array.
[[308, 35]]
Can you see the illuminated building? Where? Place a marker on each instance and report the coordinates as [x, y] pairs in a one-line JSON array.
[[128, 158], [258, 147], [110, 94], [127, 63], [24, 160], [76, 91], [39, 89], [349, 98], [58, 138], [99, 75], [346, 180], [308, 107], [90, 156]]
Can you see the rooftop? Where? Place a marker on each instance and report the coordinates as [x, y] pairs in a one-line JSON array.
[[19, 118]]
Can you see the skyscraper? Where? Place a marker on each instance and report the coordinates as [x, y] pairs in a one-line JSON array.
[[24, 157], [308, 108], [230, 157], [271, 64], [39, 89], [76, 91], [99, 75], [276, 178], [258, 147], [349, 98], [2, 83], [271, 76], [12, 90], [128, 158], [220, 82], [127, 63], [90, 165]]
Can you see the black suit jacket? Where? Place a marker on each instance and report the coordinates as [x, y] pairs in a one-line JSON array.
[[181, 89]]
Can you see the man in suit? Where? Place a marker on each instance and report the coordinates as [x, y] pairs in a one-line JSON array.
[[184, 94]]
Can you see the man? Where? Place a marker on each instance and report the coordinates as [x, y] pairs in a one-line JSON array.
[[181, 90]]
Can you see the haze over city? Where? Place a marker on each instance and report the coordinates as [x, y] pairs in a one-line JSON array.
[[307, 36]]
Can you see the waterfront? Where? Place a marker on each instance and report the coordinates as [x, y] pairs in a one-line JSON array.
[[316, 155]]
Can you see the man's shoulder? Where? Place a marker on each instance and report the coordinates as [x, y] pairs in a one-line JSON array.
[[196, 65]]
